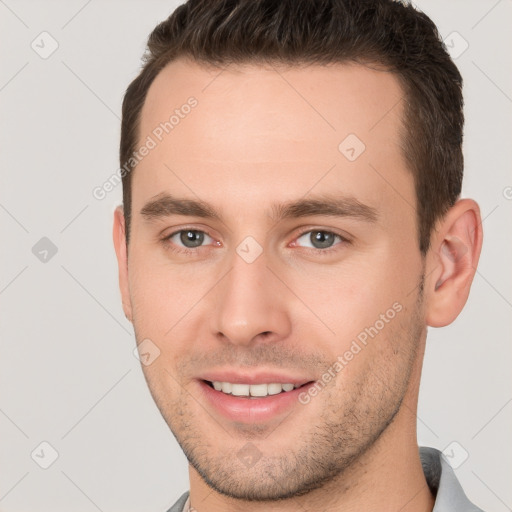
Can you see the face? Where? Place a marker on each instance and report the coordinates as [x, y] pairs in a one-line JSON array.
[[274, 253]]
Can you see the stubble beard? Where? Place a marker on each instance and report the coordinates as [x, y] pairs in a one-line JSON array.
[[350, 424]]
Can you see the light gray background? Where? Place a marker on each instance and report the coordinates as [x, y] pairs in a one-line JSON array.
[[68, 374]]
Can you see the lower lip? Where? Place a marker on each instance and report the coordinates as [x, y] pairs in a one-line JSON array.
[[252, 410]]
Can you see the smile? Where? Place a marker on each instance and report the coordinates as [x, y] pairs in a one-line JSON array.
[[256, 402]]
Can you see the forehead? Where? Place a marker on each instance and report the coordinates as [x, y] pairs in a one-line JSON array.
[[254, 125]]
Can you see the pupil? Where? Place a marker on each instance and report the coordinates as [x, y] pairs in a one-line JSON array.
[[192, 238], [321, 239]]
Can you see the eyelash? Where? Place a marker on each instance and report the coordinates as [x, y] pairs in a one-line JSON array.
[[187, 250]]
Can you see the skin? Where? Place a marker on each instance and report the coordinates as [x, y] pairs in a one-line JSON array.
[[261, 136]]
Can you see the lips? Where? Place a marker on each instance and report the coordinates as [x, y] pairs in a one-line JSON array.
[[252, 397], [254, 377]]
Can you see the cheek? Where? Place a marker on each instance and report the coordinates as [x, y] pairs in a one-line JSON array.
[[158, 294], [351, 297], [362, 303], [168, 303]]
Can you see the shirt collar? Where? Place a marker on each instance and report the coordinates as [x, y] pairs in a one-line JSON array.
[[443, 483]]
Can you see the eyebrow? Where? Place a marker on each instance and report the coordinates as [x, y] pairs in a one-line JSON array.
[[166, 205], [331, 206]]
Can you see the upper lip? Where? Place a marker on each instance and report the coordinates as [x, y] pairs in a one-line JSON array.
[[254, 377]]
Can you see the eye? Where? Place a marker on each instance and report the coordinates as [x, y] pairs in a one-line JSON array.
[[190, 238], [318, 239]]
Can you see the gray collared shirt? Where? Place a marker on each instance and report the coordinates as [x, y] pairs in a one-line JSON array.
[[440, 478]]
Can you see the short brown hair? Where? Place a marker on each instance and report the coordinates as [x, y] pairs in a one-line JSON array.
[[389, 33]]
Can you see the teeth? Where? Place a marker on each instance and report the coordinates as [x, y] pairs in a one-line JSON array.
[[259, 389], [226, 387], [274, 389], [239, 389], [256, 390]]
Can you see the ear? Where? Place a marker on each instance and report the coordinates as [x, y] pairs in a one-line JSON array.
[[451, 262], [119, 234]]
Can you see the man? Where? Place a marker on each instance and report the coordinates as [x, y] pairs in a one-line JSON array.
[[292, 223]]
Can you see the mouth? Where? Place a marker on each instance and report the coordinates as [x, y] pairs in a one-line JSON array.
[[250, 400]]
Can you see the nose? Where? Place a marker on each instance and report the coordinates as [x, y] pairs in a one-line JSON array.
[[249, 305]]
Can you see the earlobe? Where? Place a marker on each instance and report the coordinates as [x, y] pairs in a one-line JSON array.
[[119, 236], [452, 261]]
